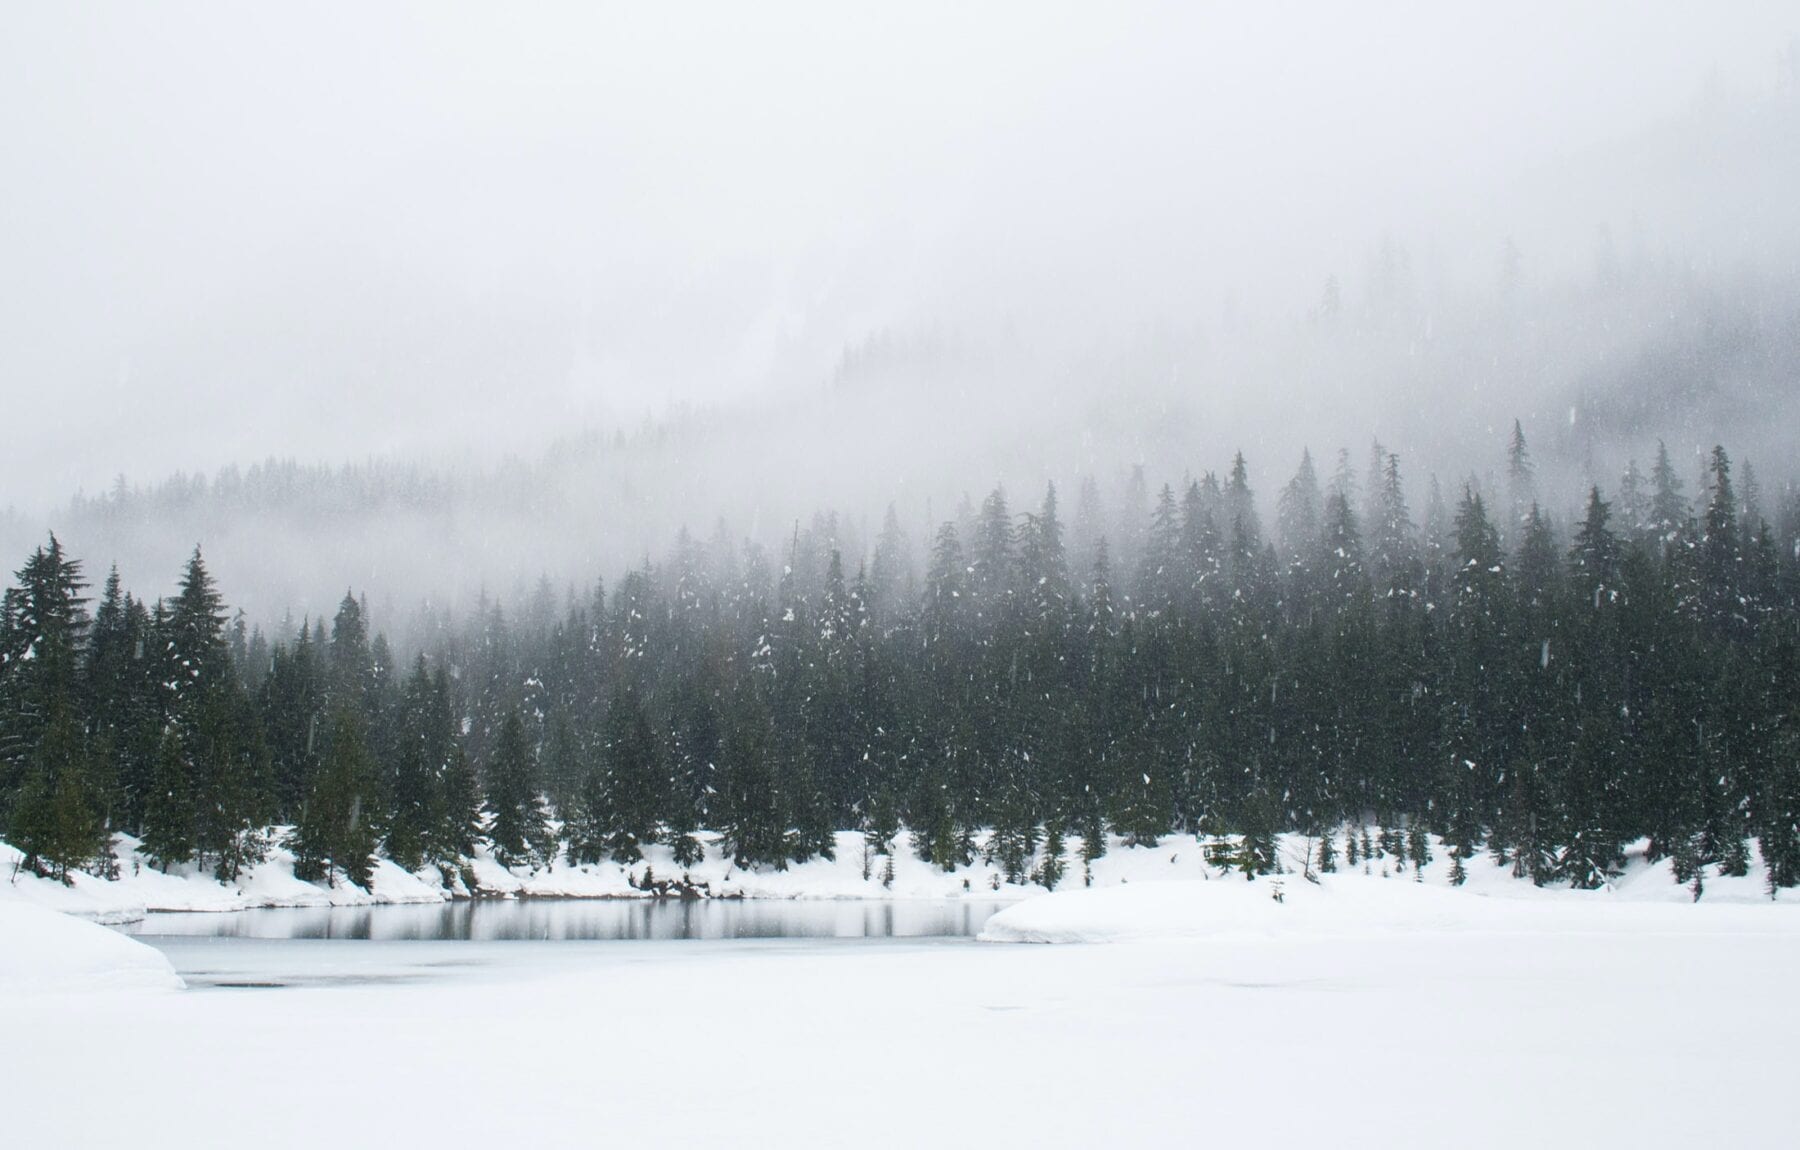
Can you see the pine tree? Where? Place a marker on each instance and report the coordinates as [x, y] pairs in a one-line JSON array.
[[461, 822], [1298, 515], [227, 758], [1158, 573], [1050, 871], [1721, 554], [881, 826], [168, 838], [518, 825], [1668, 510], [335, 832], [418, 760], [632, 796], [586, 822], [49, 805], [890, 573], [1328, 853], [991, 556], [1521, 478]]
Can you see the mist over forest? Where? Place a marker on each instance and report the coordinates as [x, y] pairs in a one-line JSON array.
[[366, 331], [532, 529]]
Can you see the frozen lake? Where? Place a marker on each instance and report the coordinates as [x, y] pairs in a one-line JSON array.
[[500, 920], [322, 946], [1613, 1023]]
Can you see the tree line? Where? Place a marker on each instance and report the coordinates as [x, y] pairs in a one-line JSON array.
[[1545, 693]]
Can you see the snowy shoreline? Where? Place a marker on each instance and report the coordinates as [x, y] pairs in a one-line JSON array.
[[142, 889]]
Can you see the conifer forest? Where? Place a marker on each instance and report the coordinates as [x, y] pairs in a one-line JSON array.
[[1543, 676], [791, 575]]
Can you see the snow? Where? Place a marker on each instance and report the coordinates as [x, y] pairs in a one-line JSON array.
[[1371, 898], [1360, 906], [839, 877], [43, 951], [1509, 1035], [143, 888], [1361, 1011]]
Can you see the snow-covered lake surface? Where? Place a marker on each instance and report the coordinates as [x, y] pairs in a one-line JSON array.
[[1359, 1011], [1363, 1013]]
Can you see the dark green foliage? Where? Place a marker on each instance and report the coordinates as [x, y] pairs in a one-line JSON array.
[[1546, 696], [882, 823], [335, 832], [460, 821], [587, 827], [51, 805], [1050, 871], [169, 808], [518, 825], [687, 848], [419, 755], [628, 805], [1418, 845], [56, 818]]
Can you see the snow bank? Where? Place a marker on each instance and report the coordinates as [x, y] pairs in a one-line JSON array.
[[1383, 900], [41, 950], [1644, 1040], [851, 874], [839, 877], [141, 887], [1229, 905]]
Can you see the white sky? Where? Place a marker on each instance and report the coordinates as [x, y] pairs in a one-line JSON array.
[[230, 231]]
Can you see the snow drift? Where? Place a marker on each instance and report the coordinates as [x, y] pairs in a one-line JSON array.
[[41, 950]]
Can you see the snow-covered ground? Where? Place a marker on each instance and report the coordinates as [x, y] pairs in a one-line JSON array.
[[1229, 908], [143, 888], [46, 953], [1457, 1018]]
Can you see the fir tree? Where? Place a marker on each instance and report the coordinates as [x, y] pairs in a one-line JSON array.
[[335, 833], [518, 826], [169, 808]]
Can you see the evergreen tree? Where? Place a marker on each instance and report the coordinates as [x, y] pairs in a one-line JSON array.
[[1521, 478], [462, 821], [518, 826], [1299, 513], [420, 756], [50, 806], [633, 793], [335, 833], [169, 807], [1668, 509]]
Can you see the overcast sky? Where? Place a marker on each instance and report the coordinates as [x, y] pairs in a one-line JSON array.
[[230, 231]]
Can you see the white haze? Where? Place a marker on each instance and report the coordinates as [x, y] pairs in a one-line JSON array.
[[843, 256]]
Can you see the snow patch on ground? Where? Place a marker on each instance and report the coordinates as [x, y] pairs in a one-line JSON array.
[[839, 877], [1378, 897], [41, 950], [1466, 1038], [142, 887]]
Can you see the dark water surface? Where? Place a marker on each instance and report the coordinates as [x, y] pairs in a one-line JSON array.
[[259, 951], [493, 920]]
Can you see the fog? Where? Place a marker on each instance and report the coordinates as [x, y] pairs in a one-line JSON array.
[[560, 281]]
